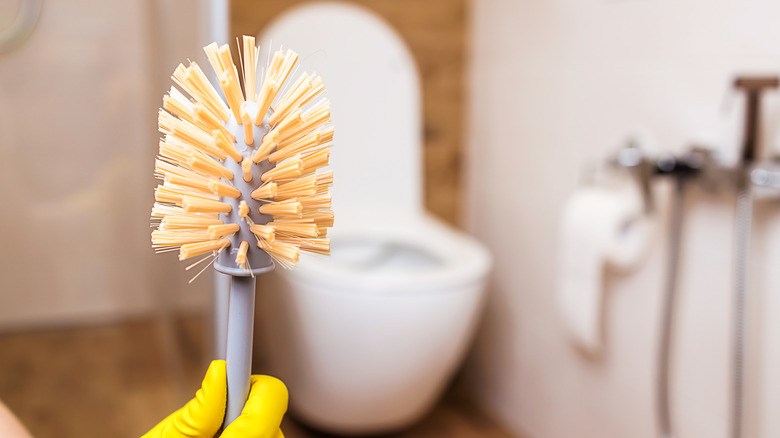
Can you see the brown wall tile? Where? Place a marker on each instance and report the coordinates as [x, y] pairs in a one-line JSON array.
[[435, 31]]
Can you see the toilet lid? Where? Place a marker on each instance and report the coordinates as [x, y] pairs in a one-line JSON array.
[[373, 86], [416, 255]]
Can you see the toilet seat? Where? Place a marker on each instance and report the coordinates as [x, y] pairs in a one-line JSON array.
[[448, 258]]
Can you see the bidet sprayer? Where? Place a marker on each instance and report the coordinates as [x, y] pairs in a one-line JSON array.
[[752, 86]]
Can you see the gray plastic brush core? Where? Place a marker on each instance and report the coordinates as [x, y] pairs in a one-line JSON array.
[[259, 261]]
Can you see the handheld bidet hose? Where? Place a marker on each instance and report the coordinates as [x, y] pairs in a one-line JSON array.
[[663, 384], [744, 223], [753, 88]]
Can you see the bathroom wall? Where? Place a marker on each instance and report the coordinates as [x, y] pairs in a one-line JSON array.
[[435, 31], [554, 87], [78, 108]]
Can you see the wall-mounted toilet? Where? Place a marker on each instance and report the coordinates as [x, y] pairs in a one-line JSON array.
[[367, 339]]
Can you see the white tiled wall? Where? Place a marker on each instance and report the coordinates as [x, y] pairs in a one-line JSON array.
[[78, 107], [556, 85]]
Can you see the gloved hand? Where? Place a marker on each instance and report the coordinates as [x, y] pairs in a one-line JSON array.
[[202, 416]]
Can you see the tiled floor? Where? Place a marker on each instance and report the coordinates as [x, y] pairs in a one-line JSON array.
[[111, 381]]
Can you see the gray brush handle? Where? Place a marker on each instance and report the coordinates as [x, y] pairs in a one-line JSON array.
[[239, 345], [221, 306]]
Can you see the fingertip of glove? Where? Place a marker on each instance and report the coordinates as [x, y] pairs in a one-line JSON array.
[[270, 387], [216, 374]]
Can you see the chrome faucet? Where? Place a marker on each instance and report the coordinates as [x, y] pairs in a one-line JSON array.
[[702, 165]]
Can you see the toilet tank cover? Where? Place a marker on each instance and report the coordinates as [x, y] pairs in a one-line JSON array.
[[373, 86]]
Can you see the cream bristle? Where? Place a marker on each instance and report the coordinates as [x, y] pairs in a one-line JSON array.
[[227, 144], [289, 123], [282, 208], [269, 88], [174, 152], [290, 58], [265, 191], [176, 223], [223, 189], [189, 133], [265, 232], [294, 229], [164, 210], [177, 104], [192, 80], [211, 54], [303, 144], [316, 202], [189, 204], [194, 112], [249, 138], [315, 116], [230, 88], [314, 160], [196, 249], [315, 245], [250, 67], [300, 187], [173, 174], [168, 239], [325, 178], [280, 68], [317, 87], [246, 169], [200, 205], [241, 259], [210, 122], [321, 218], [198, 161], [172, 194], [217, 231], [286, 254], [231, 77], [219, 58], [289, 169], [198, 78], [264, 100], [290, 99], [269, 142], [243, 209], [177, 238]]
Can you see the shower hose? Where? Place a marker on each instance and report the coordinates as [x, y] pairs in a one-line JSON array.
[[744, 217], [664, 355]]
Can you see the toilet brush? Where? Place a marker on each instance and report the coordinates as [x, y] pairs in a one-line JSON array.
[[242, 181]]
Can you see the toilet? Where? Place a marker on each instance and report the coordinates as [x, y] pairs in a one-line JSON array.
[[368, 338]]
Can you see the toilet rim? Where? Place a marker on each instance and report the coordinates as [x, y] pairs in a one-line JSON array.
[[464, 260]]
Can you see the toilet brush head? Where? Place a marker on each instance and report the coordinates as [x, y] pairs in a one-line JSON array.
[[243, 184]]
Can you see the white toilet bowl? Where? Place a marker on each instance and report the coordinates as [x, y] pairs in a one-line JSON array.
[[367, 339]]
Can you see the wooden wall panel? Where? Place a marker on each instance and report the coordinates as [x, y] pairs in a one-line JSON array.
[[435, 31]]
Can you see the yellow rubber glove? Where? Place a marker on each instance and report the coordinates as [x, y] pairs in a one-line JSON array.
[[203, 415]]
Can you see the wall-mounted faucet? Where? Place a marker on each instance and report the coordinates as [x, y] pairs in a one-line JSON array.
[[700, 164]]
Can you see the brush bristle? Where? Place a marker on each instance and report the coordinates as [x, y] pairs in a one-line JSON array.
[[189, 208]]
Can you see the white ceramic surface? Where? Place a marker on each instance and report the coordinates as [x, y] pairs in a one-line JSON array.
[[374, 91], [367, 339]]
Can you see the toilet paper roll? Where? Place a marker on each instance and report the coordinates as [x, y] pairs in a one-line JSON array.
[[599, 226]]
